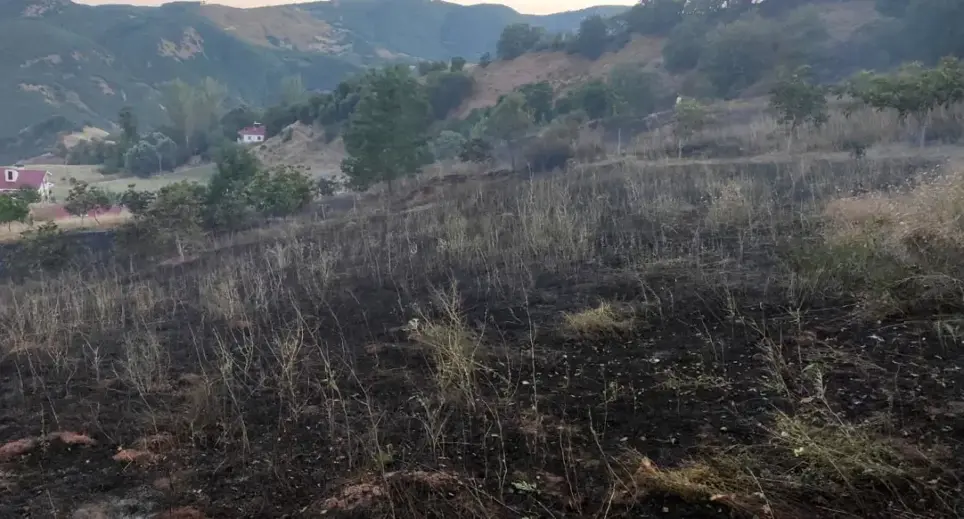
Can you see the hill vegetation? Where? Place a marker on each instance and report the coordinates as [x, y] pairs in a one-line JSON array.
[[84, 63]]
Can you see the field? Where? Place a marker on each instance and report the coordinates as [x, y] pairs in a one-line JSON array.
[[118, 183], [673, 339]]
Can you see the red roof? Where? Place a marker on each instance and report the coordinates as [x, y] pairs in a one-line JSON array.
[[25, 178], [252, 130]]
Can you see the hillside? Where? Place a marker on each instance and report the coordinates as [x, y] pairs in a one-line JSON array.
[[565, 70], [81, 63]]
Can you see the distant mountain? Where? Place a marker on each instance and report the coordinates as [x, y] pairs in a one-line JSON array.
[[78, 64]]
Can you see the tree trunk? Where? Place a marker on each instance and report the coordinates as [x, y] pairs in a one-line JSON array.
[[789, 141], [923, 134], [679, 148]]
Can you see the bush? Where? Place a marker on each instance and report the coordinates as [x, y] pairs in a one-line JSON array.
[[447, 91], [544, 154], [447, 145], [42, 248], [685, 45], [517, 39], [476, 150], [654, 16], [592, 39]]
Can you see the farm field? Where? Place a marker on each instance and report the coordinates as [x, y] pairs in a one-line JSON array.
[[118, 183]]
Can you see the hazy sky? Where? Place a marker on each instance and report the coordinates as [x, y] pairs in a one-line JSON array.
[[525, 6]]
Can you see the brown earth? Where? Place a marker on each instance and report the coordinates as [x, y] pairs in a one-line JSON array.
[[303, 146]]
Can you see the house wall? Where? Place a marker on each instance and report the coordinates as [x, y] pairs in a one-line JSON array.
[[249, 138]]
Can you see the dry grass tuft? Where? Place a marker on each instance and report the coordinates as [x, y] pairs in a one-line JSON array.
[[601, 321], [452, 345], [697, 482], [847, 453], [733, 204], [900, 250]]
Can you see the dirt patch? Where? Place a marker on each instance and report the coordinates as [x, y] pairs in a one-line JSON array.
[[105, 87], [304, 146], [38, 8], [283, 26], [88, 133], [52, 59], [190, 45], [49, 94]]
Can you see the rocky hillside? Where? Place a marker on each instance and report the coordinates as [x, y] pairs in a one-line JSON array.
[[67, 65]]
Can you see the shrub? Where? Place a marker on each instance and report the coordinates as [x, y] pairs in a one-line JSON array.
[[447, 145], [476, 150], [548, 152]]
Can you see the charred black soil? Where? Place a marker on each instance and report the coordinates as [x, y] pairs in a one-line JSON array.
[[627, 343]]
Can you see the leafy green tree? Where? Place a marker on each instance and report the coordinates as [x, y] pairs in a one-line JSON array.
[[156, 153], [596, 99], [42, 248], [427, 67], [142, 159], [457, 64], [82, 199], [655, 16], [447, 90], [281, 192], [689, 118], [386, 138], [180, 100], [137, 202], [227, 205], [538, 99], [447, 145], [636, 91], [128, 123], [172, 218], [798, 102], [13, 209], [737, 55], [28, 195], [509, 121], [485, 59], [685, 45], [593, 37], [193, 109], [516, 40], [912, 91]]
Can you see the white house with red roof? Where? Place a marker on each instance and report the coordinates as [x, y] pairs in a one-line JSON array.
[[16, 178], [251, 134]]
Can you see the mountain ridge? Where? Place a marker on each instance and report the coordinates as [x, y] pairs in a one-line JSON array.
[[82, 63]]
